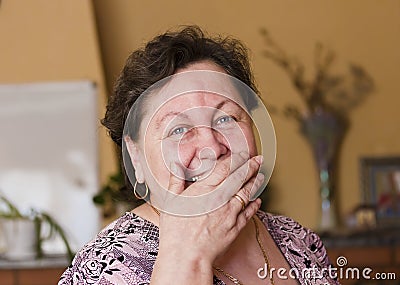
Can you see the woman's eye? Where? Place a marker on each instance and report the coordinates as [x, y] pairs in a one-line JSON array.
[[179, 131], [225, 119]]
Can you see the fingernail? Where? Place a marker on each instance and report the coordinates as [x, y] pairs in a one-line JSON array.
[[259, 159], [260, 176]]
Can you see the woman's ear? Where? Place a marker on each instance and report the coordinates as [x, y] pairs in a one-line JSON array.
[[134, 153]]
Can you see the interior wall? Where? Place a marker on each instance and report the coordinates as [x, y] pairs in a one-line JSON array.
[[48, 40], [361, 31]]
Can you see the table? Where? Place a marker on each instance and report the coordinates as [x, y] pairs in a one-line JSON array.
[[45, 271]]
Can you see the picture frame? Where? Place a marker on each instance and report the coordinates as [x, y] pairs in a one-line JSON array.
[[380, 183]]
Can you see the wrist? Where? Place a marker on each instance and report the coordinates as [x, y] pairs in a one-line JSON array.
[[182, 256], [182, 266]]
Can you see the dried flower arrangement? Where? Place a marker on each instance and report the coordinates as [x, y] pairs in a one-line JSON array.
[[328, 99], [332, 92]]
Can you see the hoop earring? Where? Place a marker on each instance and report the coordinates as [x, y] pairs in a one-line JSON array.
[[137, 195]]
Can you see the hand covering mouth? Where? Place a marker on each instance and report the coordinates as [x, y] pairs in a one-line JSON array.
[[194, 177]]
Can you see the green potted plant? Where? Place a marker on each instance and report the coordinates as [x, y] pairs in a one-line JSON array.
[[22, 233], [114, 197]]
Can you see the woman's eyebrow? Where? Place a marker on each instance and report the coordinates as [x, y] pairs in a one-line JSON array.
[[227, 102], [160, 121], [221, 104]]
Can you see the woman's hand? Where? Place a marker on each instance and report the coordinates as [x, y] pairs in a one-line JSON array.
[[189, 245]]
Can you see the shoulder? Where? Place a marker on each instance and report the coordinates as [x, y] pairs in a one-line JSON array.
[[284, 225], [302, 248], [122, 252], [291, 236]]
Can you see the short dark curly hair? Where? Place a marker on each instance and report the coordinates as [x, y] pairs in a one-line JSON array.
[[162, 57]]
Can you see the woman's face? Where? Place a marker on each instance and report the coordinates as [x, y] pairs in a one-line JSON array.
[[192, 131]]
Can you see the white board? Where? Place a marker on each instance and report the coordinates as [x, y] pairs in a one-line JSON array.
[[48, 154]]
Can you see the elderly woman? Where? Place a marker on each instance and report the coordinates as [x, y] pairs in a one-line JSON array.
[[179, 145]]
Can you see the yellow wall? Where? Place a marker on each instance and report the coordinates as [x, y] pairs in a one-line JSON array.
[[47, 40], [363, 31]]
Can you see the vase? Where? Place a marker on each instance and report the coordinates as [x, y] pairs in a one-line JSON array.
[[19, 238], [325, 130]]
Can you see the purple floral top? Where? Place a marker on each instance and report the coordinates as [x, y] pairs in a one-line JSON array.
[[125, 251]]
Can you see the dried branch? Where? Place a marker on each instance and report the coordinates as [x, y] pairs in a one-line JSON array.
[[292, 66], [338, 93]]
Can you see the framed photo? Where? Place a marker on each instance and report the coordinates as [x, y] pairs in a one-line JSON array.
[[381, 187]]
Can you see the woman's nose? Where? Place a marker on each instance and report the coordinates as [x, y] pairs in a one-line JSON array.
[[210, 144]]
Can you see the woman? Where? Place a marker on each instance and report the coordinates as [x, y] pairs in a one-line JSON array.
[[193, 145]]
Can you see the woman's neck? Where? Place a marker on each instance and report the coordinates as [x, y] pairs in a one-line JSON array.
[[146, 212], [244, 245]]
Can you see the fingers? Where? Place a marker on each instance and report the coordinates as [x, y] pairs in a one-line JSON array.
[[222, 169], [247, 191], [239, 177], [236, 225], [241, 200], [176, 184], [244, 177], [226, 166], [239, 214], [251, 187], [247, 214]]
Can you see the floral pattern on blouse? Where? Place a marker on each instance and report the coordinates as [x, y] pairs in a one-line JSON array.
[[125, 251]]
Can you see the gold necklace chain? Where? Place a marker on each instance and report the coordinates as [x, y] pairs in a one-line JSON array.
[[233, 279]]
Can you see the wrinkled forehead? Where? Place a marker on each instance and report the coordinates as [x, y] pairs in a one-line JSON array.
[[189, 84], [201, 81]]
